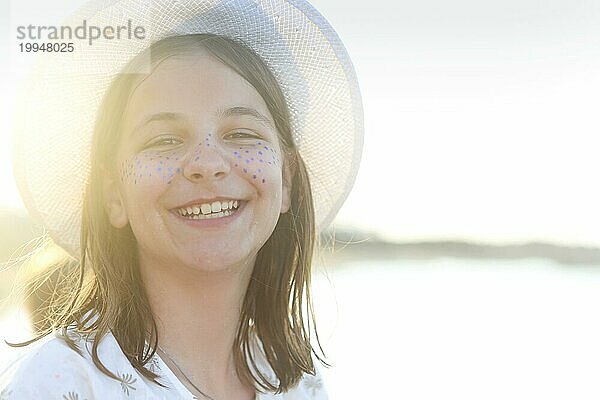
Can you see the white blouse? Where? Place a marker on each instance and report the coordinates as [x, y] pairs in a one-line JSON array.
[[49, 369]]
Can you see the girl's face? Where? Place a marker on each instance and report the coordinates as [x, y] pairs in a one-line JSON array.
[[197, 137]]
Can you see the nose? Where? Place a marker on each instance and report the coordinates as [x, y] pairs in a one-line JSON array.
[[206, 163]]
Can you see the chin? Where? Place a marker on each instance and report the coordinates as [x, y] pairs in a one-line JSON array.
[[216, 264]]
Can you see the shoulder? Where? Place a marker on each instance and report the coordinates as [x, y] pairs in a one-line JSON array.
[[48, 368], [311, 387]]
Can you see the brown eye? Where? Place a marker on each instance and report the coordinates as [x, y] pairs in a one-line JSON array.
[[165, 141], [244, 135]]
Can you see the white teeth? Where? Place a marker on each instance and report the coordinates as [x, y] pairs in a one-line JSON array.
[[211, 216], [209, 209]]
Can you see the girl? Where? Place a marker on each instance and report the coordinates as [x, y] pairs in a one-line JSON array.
[[199, 217]]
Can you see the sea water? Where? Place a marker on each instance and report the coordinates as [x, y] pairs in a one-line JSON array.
[[451, 329]]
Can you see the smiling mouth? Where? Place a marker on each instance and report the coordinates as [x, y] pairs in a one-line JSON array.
[[201, 213]]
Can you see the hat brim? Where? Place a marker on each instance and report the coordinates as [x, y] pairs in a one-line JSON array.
[[57, 105]]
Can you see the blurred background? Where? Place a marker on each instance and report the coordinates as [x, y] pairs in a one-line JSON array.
[[466, 260]]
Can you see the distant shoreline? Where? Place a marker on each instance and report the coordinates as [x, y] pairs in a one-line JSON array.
[[16, 228], [379, 250]]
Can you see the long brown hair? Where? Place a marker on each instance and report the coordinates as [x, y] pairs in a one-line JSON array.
[[277, 306]]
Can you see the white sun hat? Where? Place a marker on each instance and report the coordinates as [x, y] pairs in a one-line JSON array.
[[57, 105]]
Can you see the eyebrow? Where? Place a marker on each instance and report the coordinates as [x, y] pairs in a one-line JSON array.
[[161, 116], [247, 111], [221, 113]]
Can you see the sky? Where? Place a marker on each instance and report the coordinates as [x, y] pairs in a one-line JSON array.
[[478, 117]]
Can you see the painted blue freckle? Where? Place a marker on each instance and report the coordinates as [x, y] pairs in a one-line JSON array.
[[260, 152], [247, 161], [259, 170], [247, 151], [245, 170], [159, 169]]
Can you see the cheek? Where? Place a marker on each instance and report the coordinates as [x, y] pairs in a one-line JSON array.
[[259, 162], [150, 169]]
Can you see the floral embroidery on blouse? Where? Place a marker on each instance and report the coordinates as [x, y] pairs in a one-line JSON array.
[[153, 365], [76, 335], [71, 396], [127, 381], [313, 384]]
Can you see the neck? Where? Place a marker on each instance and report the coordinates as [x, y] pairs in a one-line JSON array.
[[197, 314]]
